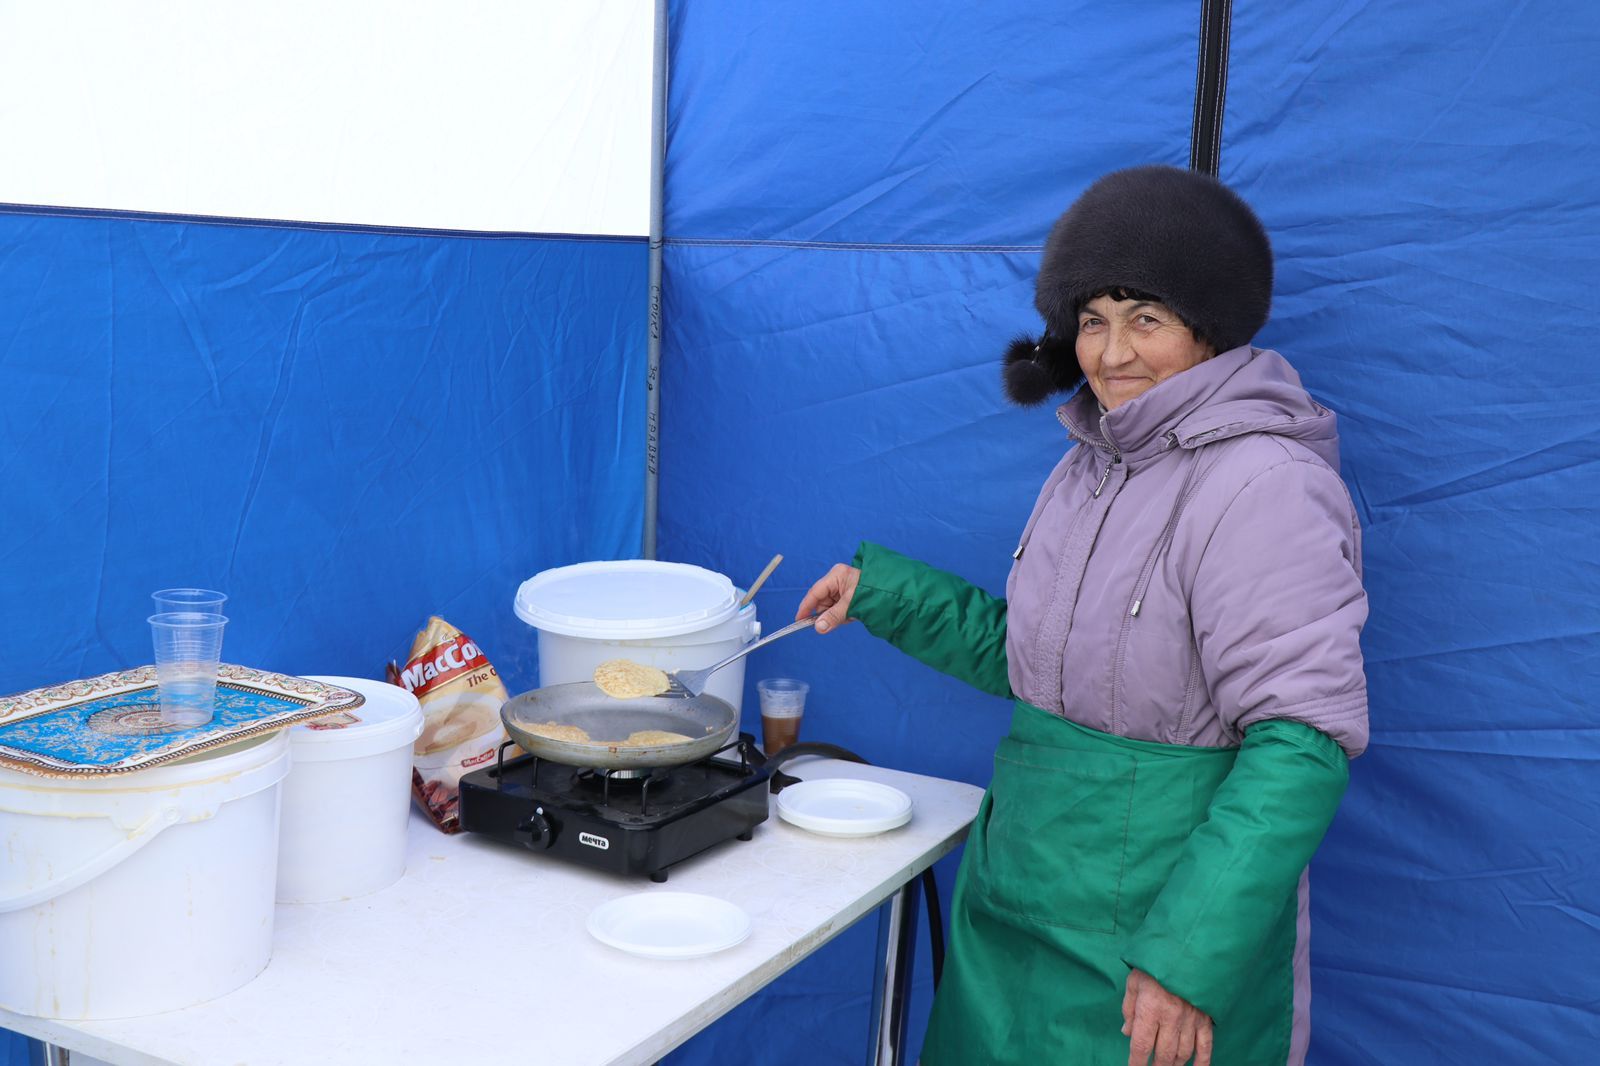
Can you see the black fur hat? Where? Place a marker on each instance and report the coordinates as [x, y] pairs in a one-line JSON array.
[[1184, 238]]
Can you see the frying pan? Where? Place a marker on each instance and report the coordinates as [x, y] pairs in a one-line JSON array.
[[709, 722]]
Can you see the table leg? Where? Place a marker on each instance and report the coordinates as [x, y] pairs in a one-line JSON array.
[[891, 993]]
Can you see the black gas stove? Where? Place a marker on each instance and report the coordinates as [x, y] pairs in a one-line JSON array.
[[624, 821]]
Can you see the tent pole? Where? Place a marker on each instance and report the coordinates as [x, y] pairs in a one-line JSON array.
[[1210, 86], [658, 147]]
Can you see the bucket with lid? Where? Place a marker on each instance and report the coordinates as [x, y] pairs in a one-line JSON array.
[[347, 801], [130, 894], [669, 615]]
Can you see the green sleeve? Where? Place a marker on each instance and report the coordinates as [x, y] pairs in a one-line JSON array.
[[1241, 867], [934, 616]]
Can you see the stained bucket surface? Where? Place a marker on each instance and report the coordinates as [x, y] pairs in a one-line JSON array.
[[138, 893]]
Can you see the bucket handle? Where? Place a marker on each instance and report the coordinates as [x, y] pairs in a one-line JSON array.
[[142, 834]]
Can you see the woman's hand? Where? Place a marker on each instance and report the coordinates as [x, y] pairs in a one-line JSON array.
[[1160, 1022], [831, 596]]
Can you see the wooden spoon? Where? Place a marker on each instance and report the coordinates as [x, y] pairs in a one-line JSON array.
[[762, 580]]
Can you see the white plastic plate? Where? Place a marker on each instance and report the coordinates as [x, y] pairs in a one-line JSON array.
[[844, 807], [669, 925]]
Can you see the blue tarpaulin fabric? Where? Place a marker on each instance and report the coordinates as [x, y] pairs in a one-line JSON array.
[[346, 430], [855, 205], [855, 201], [1426, 173]]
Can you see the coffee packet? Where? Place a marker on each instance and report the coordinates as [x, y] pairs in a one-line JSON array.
[[461, 695]]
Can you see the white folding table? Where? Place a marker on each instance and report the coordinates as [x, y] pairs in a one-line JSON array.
[[429, 968]]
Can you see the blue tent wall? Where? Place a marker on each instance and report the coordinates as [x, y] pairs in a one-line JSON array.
[[855, 201], [1427, 172], [347, 430]]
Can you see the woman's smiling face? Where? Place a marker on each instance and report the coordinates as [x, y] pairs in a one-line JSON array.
[[1127, 347]]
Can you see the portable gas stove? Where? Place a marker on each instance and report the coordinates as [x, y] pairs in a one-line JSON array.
[[624, 821]]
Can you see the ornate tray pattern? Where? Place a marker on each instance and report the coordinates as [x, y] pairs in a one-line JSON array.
[[111, 724]]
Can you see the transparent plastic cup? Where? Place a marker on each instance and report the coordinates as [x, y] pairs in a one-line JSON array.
[[783, 703], [202, 601], [188, 648]]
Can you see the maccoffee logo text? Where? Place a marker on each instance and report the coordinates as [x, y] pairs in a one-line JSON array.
[[594, 842], [450, 661]]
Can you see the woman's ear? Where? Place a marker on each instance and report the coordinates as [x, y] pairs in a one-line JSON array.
[[1037, 367]]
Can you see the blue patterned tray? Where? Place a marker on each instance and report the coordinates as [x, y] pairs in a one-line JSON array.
[[111, 724]]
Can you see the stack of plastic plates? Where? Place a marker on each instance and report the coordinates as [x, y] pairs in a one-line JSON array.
[[844, 807]]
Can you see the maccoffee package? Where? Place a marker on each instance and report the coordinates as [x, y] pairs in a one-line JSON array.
[[461, 696]]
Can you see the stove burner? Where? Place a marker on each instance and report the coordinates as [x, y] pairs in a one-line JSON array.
[[621, 775], [629, 821], [627, 783]]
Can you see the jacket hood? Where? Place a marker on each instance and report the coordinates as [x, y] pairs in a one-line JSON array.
[[1243, 390]]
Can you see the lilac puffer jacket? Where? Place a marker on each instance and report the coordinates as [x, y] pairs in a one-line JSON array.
[[1194, 565]]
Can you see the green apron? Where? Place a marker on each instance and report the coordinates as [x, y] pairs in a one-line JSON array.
[[1093, 853], [1077, 835]]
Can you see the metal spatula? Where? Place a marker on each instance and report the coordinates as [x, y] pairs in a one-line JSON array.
[[693, 682]]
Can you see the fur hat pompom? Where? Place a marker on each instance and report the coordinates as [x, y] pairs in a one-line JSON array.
[[1036, 367]]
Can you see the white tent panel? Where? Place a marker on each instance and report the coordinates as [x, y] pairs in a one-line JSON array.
[[483, 115]]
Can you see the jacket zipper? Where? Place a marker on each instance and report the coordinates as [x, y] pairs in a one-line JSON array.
[[1027, 533], [1116, 457], [1023, 544]]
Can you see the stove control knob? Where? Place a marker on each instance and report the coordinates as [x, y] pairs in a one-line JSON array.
[[535, 831]]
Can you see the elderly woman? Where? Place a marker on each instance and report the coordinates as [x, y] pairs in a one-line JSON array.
[[1180, 635]]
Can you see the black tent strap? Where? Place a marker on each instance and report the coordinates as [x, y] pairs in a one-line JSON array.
[[1210, 86]]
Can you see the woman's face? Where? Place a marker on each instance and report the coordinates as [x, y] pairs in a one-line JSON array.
[[1127, 347]]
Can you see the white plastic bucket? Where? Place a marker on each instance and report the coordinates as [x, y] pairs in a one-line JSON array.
[[347, 802], [670, 615], [138, 893]]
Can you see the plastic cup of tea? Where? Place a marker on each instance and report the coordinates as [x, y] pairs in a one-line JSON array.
[[200, 601], [188, 648], [783, 702]]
